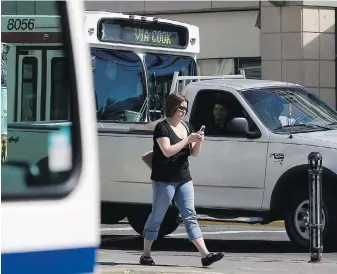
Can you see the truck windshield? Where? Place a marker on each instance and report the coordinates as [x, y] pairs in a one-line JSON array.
[[118, 83], [283, 108], [160, 69]]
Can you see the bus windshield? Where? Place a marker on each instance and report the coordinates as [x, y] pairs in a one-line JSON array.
[[160, 69], [118, 83], [122, 94]]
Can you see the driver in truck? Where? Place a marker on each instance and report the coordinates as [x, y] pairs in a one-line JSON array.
[[219, 123]]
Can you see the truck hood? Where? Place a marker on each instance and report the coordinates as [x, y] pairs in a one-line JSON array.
[[325, 138]]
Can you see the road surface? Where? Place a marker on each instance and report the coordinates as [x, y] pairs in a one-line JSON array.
[[248, 249]]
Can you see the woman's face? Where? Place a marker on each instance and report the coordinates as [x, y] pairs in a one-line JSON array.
[[180, 112]]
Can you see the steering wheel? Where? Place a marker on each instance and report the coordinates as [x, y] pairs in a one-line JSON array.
[[158, 105], [298, 120]]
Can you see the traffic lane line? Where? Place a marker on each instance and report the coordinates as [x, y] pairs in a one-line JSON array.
[[229, 232], [107, 229], [273, 224]]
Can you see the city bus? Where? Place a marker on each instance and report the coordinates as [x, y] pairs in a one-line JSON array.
[[133, 60], [50, 216]]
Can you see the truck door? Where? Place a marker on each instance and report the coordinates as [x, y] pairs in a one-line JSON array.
[[230, 170], [28, 86]]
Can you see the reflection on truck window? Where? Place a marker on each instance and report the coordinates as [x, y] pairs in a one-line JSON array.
[[29, 89], [59, 105], [119, 85], [281, 107], [160, 69]]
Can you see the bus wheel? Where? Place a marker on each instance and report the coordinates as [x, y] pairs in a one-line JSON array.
[[137, 218]]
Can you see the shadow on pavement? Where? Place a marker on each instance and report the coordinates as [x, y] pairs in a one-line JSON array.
[[136, 264], [214, 245]]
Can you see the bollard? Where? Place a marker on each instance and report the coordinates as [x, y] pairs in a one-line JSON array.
[[315, 207]]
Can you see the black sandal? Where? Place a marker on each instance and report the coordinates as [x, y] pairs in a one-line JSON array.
[[212, 258], [145, 260]]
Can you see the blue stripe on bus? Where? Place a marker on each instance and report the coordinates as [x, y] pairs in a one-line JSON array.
[[64, 261]]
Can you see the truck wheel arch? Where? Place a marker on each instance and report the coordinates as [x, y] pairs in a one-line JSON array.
[[299, 175]]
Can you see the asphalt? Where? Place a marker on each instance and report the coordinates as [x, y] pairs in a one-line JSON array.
[[248, 249]]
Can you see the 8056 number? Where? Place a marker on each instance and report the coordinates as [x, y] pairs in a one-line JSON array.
[[20, 24]]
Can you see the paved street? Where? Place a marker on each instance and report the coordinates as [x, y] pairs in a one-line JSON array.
[[248, 249]]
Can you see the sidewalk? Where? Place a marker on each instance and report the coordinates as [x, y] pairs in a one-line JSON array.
[[226, 267]]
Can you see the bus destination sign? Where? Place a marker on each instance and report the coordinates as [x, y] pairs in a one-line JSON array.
[[142, 33]]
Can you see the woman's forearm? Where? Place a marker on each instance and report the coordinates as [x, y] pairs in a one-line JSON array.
[[171, 150], [196, 149]]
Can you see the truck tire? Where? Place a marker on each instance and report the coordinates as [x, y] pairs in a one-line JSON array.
[[137, 218], [111, 214], [297, 215]]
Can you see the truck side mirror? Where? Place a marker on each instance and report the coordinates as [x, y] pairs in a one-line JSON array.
[[239, 125]]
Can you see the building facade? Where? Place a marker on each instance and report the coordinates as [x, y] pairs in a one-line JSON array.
[[279, 40]]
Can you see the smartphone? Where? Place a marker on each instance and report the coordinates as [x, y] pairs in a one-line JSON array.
[[202, 129]]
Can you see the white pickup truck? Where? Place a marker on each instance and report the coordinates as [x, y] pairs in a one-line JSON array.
[[258, 168]]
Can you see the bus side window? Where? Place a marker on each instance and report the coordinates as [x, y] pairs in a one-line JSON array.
[[59, 105], [29, 89]]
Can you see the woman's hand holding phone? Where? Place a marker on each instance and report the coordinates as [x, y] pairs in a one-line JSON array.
[[201, 132], [197, 136]]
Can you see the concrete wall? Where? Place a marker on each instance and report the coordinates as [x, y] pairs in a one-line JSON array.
[[224, 34], [160, 6], [298, 45]]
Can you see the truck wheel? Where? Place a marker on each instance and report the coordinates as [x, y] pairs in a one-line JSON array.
[[111, 214], [137, 218], [297, 219]]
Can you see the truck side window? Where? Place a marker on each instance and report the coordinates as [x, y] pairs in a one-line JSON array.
[[215, 109], [29, 89]]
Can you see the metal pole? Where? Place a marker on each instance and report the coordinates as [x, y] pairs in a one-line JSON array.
[[315, 207]]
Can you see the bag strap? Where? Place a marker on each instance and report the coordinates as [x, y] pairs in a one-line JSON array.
[[186, 126], [167, 127], [188, 133]]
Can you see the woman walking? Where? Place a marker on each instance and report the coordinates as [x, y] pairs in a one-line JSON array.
[[174, 141]]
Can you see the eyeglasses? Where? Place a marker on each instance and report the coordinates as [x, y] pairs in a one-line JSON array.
[[181, 108]]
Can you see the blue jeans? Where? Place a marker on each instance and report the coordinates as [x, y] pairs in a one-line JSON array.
[[183, 195]]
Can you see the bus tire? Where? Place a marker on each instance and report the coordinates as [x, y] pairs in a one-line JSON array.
[[137, 218]]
